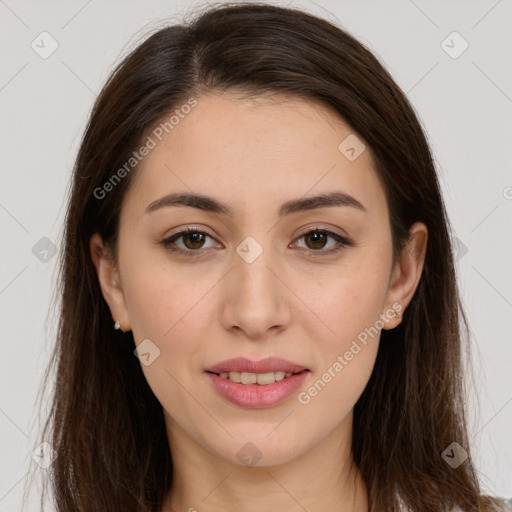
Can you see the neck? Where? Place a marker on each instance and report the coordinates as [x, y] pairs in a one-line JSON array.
[[321, 478]]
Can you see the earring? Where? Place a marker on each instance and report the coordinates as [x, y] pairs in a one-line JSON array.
[[396, 315], [117, 327]]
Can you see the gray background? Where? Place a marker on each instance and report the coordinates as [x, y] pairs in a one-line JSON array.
[[465, 105]]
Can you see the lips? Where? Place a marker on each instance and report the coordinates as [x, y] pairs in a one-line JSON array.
[[269, 364], [255, 396]]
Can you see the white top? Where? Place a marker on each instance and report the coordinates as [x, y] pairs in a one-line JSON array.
[[505, 505]]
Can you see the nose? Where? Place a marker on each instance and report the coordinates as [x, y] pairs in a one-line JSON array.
[[255, 296]]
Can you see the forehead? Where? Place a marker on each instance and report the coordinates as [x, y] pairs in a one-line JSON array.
[[255, 151]]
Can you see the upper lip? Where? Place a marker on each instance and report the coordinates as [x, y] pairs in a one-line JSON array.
[[267, 365]]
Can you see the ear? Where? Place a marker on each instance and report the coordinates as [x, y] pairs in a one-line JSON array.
[[109, 280], [407, 273]]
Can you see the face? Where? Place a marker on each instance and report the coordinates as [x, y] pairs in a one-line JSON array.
[[257, 280]]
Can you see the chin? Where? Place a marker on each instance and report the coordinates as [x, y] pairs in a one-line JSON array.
[[260, 450]]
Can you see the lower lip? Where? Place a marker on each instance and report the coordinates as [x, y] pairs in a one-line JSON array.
[[256, 396]]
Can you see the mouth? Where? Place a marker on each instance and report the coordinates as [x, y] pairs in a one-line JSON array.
[[257, 383], [257, 390]]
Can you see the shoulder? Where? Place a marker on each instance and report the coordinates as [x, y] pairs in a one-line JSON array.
[[493, 504], [499, 504], [506, 505]]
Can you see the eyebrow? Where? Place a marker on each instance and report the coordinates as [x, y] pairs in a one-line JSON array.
[[210, 204]]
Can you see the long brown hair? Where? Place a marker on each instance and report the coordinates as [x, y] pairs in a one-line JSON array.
[[105, 424]]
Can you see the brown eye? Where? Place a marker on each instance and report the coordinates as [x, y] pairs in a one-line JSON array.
[[317, 239], [196, 240], [193, 242]]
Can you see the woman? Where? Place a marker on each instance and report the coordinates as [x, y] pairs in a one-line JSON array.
[[259, 305]]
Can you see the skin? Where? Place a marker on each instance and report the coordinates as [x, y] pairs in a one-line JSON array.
[[254, 155]]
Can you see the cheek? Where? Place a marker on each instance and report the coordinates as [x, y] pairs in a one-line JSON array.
[[346, 351], [347, 300], [349, 304], [169, 311], [164, 300], [173, 309]]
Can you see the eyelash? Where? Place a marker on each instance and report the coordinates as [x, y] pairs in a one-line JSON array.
[[343, 242]]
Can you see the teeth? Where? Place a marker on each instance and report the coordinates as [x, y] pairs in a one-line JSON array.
[[253, 378]]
